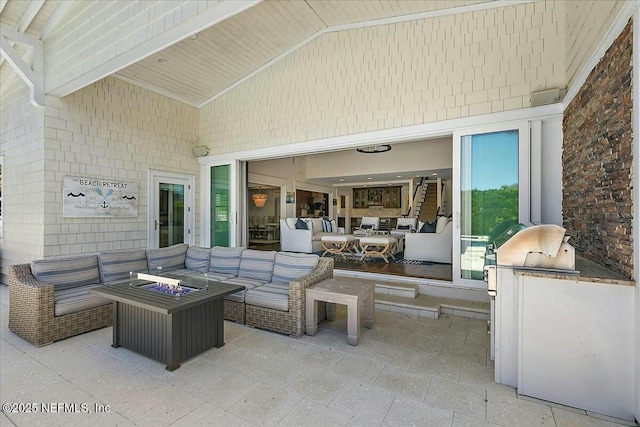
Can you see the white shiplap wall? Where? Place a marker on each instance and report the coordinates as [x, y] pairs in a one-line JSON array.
[[394, 75], [21, 144], [110, 129]]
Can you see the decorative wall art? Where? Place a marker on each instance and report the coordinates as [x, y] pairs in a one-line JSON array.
[[291, 196], [98, 198]]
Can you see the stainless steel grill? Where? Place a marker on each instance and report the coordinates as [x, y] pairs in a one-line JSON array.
[[542, 248]]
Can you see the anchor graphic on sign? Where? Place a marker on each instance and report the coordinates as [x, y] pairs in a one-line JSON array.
[[104, 203]]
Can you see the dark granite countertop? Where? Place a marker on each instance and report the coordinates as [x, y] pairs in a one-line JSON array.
[[588, 271]]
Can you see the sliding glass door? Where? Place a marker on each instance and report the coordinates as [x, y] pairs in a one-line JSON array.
[[224, 204], [221, 209], [492, 193]]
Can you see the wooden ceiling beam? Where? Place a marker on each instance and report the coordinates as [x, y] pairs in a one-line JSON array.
[[27, 17], [32, 75], [25, 20], [56, 17]]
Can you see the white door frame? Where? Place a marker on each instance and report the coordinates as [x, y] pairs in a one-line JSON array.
[[390, 136], [524, 184], [153, 213], [235, 200]]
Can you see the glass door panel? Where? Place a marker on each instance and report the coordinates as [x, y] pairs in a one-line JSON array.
[[170, 215], [171, 224], [490, 193], [220, 205]]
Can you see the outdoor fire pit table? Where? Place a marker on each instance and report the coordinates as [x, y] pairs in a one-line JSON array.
[[169, 326]]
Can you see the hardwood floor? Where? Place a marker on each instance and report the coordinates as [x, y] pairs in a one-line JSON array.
[[434, 271]]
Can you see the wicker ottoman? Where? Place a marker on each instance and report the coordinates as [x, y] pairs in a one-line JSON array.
[[377, 247], [338, 244]]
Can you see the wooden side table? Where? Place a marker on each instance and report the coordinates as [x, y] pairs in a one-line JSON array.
[[353, 295]]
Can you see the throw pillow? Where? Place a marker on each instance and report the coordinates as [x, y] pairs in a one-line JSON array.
[[366, 226], [404, 227], [197, 259], [309, 225], [327, 226], [428, 227], [301, 225], [441, 223]]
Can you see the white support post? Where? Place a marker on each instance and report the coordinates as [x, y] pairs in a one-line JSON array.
[[32, 75]]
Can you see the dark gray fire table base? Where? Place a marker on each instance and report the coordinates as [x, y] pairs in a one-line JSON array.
[[164, 327]]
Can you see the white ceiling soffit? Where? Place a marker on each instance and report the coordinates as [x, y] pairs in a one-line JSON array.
[[230, 52]]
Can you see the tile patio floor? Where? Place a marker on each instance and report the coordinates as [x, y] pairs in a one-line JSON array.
[[405, 371]]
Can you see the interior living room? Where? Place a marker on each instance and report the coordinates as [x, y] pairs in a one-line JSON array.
[[170, 175], [410, 180]]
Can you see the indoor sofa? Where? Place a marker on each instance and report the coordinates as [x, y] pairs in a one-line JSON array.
[[307, 238], [433, 246], [51, 299]]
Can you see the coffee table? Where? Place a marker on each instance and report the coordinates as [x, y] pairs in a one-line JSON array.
[[335, 291], [166, 327]]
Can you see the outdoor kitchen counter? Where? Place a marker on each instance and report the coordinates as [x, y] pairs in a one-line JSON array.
[[589, 271]]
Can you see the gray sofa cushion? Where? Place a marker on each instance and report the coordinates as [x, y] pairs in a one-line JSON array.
[[246, 282], [66, 273], [257, 265], [116, 265], [184, 274], [171, 258], [76, 299], [225, 260], [220, 277], [237, 297], [271, 295], [290, 266], [198, 259]]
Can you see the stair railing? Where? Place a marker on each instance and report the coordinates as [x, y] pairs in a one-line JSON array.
[[415, 193]]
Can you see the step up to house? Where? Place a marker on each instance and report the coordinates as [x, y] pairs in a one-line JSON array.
[[426, 300], [398, 290], [420, 306], [399, 298], [433, 307]]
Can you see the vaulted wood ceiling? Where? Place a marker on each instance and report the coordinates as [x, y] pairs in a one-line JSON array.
[[196, 71]]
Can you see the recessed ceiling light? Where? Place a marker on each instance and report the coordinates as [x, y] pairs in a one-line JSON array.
[[434, 174], [369, 178], [193, 37], [398, 176], [341, 179], [162, 61]]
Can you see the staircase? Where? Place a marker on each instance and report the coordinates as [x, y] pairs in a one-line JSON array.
[[428, 301], [426, 205]]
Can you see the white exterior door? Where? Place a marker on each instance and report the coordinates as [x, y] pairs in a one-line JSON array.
[[171, 212]]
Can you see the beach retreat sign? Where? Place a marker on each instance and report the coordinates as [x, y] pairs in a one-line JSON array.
[[98, 198]]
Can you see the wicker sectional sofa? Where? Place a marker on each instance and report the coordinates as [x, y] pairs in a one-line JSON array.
[[50, 299]]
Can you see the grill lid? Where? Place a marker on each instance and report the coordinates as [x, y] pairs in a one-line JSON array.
[[538, 246]]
